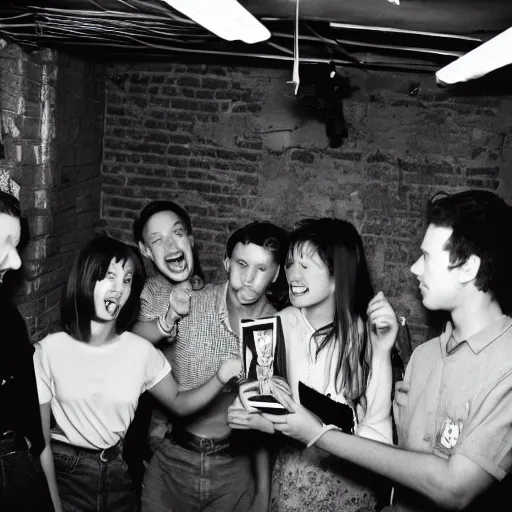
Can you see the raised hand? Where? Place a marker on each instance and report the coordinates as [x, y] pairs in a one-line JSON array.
[[230, 369], [383, 323], [179, 302]]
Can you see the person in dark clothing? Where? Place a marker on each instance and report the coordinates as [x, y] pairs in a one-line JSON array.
[[23, 486]]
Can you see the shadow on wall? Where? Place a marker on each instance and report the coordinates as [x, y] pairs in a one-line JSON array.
[[320, 95]]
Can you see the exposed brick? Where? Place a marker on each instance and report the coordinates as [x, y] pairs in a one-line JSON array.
[[223, 162], [214, 83]]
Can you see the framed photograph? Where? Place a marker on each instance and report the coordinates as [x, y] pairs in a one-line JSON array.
[[262, 353], [258, 340]]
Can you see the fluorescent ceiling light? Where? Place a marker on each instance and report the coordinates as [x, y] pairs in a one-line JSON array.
[[225, 18], [494, 54]]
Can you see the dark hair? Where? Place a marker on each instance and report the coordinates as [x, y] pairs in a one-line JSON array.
[[265, 234], [156, 207], [275, 240], [480, 220], [9, 205], [340, 247], [90, 266]]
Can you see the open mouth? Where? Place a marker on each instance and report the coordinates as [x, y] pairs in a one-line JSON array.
[[111, 306], [176, 263], [298, 290]]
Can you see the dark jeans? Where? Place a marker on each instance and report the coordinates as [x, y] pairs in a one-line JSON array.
[[93, 481], [198, 474], [23, 484]]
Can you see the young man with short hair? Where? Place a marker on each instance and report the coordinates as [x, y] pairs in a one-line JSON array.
[[455, 418], [164, 235], [201, 464]]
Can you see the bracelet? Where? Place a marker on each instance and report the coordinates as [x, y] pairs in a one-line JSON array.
[[325, 428], [164, 326]]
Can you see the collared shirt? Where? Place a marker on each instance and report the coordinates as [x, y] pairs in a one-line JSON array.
[[205, 338], [460, 403]]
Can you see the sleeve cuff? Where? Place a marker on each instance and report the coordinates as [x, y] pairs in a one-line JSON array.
[[484, 462], [160, 375]]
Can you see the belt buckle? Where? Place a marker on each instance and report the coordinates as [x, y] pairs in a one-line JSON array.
[[102, 454], [108, 454]]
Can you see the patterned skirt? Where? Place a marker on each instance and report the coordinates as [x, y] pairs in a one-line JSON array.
[[310, 480]]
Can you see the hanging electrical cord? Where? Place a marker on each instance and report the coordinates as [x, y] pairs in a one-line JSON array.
[[295, 73]]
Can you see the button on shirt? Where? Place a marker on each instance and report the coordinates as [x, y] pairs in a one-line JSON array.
[[460, 401]]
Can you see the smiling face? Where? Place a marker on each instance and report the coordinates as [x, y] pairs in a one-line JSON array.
[[309, 280], [168, 245], [112, 292], [251, 271], [10, 232], [438, 281]]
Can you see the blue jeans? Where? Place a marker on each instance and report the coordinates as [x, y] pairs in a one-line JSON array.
[[93, 481], [23, 484], [198, 475]]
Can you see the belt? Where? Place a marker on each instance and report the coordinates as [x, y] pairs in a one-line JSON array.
[[105, 455], [200, 444], [10, 442]]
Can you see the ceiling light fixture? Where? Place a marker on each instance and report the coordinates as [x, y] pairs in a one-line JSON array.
[[494, 54], [227, 19]]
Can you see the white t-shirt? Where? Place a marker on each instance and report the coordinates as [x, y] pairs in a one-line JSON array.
[[94, 390]]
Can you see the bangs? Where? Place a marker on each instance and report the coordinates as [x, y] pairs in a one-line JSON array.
[[302, 248], [106, 262]]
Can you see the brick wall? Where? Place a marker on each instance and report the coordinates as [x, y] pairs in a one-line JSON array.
[[52, 110], [231, 146]]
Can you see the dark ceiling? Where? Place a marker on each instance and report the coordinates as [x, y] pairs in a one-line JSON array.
[[417, 34]]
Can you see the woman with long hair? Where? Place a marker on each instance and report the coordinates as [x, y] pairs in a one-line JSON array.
[[338, 338], [90, 377]]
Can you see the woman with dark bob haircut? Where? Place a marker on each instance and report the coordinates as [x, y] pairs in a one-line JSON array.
[[92, 374]]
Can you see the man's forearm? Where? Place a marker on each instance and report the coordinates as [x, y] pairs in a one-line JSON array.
[[149, 329], [425, 473], [193, 400]]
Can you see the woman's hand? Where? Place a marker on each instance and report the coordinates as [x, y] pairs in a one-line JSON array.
[[230, 369], [252, 388], [240, 418], [383, 324], [299, 424]]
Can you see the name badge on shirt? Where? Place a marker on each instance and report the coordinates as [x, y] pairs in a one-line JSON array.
[[450, 433]]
